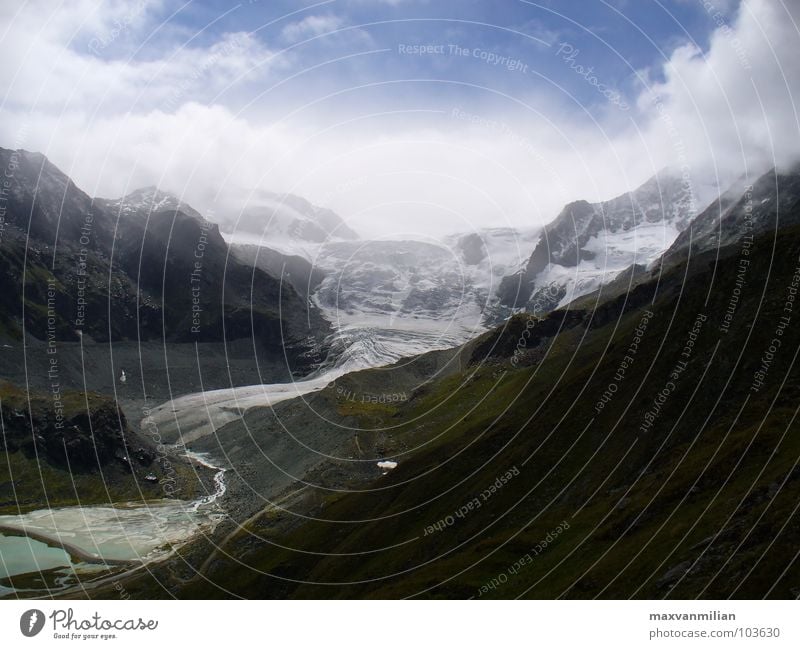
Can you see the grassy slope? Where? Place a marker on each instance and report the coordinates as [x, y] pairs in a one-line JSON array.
[[32, 478], [703, 504]]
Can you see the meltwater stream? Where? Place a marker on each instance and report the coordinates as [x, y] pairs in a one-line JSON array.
[[49, 548]]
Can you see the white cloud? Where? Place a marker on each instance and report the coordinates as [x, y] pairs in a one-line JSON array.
[[738, 103], [114, 125], [311, 26], [391, 3], [60, 61]]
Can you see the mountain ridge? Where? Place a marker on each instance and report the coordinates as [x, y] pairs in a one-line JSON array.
[[588, 244], [69, 266]]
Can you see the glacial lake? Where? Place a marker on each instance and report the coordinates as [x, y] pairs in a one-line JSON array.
[[21, 554], [42, 564], [87, 539]]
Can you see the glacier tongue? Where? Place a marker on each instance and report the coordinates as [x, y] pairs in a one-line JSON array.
[[387, 300], [390, 299]]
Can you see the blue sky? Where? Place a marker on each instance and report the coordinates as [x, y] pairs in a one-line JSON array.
[[617, 39], [511, 109]]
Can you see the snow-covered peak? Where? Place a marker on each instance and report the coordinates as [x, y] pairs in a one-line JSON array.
[[664, 197], [287, 223], [589, 244], [150, 200]]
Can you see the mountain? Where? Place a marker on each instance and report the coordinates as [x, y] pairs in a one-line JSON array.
[[636, 448], [588, 244], [139, 298], [744, 209], [738, 214], [146, 201], [393, 299], [73, 268], [286, 223], [282, 234], [390, 299]]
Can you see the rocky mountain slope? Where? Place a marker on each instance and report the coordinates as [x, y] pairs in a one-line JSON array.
[[119, 270], [111, 305], [745, 209], [297, 270], [66, 447]]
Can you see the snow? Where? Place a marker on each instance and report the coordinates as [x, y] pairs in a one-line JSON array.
[[286, 223], [635, 228], [613, 253], [393, 299], [149, 200], [288, 246]]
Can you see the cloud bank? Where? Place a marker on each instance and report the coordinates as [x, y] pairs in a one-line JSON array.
[[120, 96]]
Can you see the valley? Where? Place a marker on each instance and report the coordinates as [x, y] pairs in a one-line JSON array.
[[387, 418]]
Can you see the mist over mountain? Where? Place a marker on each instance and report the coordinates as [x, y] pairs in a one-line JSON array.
[[406, 356], [371, 301], [285, 222], [146, 267], [745, 209]]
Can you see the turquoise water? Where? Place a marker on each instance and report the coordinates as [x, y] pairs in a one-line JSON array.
[[20, 555], [126, 532]]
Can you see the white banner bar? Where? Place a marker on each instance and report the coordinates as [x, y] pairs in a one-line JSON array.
[[409, 624]]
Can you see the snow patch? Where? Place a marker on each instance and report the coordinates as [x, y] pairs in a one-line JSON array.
[[387, 465]]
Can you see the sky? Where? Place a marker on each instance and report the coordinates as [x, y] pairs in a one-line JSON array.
[[407, 117]]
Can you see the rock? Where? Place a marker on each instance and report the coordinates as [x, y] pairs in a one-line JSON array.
[[622, 503], [704, 543], [674, 573]]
